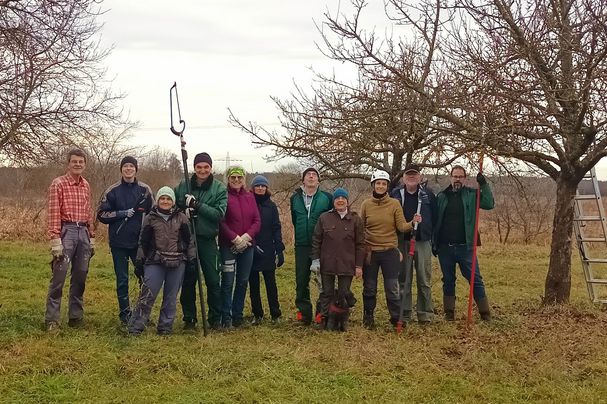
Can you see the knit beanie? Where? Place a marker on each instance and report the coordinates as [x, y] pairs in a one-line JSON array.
[[236, 170], [203, 158], [259, 180], [307, 170], [129, 159], [165, 191], [340, 192]]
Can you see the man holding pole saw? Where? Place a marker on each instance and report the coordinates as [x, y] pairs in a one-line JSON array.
[[414, 196], [205, 200]]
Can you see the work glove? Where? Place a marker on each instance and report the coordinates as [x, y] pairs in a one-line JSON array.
[[57, 248], [358, 272], [191, 265], [139, 269], [247, 238], [280, 259], [92, 244], [434, 250], [191, 202], [130, 212], [480, 178], [315, 266]]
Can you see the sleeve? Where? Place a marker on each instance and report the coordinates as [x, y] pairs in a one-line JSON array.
[[149, 200], [317, 239], [277, 230], [256, 225], [186, 236], [486, 202], [180, 195], [54, 210], [359, 257], [106, 212], [89, 209], [146, 239], [433, 208], [293, 218], [225, 230], [216, 211], [399, 219]]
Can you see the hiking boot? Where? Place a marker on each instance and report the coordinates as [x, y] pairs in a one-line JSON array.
[[75, 322], [189, 326], [276, 320], [449, 307], [318, 318], [257, 321], [51, 326], [368, 321], [343, 326], [483, 309], [164, 333]]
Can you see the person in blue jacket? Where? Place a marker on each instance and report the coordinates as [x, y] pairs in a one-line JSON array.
[[122, 207]]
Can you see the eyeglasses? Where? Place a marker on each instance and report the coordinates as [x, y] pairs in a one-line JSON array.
[[236, 178], [458, 177]]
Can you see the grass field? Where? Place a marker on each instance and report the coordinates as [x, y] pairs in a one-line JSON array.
[[528, 353]]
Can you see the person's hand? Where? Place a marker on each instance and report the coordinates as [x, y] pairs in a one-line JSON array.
[[315, 266], [57, 248], [191, 202], [247, 238], [280, 259], [130, 212], [417, 218], [480, 178], [92, 244], [139, 270], [434, 250], [359, 272]]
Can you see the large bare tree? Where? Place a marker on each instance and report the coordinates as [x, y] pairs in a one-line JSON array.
[[53, 91]]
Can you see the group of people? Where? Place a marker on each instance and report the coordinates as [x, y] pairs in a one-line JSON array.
[[232, 233]]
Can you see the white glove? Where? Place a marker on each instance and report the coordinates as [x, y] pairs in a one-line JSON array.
[[190, 201], [92, 244], [57, 248], [237, 241], [130, 212], [315, 266], [246, 237]]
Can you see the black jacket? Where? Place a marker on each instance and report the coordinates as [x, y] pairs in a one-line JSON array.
[[269, 238], [429, 213], [119, 197]]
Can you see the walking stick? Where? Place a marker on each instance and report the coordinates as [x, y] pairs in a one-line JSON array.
[[184, 158], [408, 265], [474, 244]]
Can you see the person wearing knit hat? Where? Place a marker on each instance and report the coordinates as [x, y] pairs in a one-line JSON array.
[[166, 248], [206, 202], [338, 251], [269, 252], [122, 207], [307, 204]]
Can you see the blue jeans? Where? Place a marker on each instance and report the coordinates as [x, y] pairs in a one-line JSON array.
[[121, 256], [449, 256], [235, 273]]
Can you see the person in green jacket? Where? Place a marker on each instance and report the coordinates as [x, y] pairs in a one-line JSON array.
[[208, 201], [307, 204], [454, 238]]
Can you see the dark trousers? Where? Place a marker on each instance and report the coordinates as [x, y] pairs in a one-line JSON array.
[[155, 277], [209, 260], [77, 251], [269, 278], [459, 254], [389, 262], [302, 283], [328, 290], [121, 257], [234, 281]]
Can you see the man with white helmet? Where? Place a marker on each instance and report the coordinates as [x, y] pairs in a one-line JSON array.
[[382, 217]]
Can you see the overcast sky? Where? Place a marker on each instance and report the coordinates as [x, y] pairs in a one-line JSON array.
[[222, 54]]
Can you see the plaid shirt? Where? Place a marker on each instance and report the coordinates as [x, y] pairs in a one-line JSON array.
[[69, 201]]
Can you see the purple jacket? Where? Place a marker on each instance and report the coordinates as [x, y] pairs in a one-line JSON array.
[[242, 216]]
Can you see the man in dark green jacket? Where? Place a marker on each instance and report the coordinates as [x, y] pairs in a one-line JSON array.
[[307, 204], [454, 238], [208, 201]]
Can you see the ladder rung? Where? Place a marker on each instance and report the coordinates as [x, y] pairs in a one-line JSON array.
[[598, 281], [593, 240], [588, 219], [586, 197], [595, 260]]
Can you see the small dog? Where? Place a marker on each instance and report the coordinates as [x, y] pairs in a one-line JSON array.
[[339, 311]]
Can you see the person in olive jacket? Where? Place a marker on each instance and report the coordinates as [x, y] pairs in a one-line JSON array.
[[307, 203], [338, 249], [208, 203], [269, 252]]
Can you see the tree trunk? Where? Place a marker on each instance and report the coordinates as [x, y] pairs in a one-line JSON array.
[[558, 280]]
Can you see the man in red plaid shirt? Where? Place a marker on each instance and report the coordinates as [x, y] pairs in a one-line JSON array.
[[72, 239]]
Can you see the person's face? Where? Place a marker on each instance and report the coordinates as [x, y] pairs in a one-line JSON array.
[[340, 203], [412, 179], [128, 171], [311, 179], [260, 189], [164, 202], [380, 186], [236, 181], [203, 170], [76, 165], [458, 176]]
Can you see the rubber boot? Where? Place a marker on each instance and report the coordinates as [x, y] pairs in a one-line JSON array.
[[483, 308], [449, 307], [368, 320], [331, 322], [344, 321]]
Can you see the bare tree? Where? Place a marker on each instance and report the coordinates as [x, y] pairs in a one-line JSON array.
[[53, 91]]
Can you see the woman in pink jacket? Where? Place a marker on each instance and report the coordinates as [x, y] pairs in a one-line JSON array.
[[237, 233]]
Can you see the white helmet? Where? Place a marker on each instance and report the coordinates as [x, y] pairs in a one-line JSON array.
[[380, 175]]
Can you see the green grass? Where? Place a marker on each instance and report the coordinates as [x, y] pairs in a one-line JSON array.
[[528, 353]]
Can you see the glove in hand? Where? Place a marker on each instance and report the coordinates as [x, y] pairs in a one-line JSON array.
[[315, 266], [480, 178], [57, 248], [280, 259]]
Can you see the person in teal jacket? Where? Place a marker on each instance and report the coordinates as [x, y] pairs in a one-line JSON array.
[[208, 202], [307, 204], [454, 238]]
